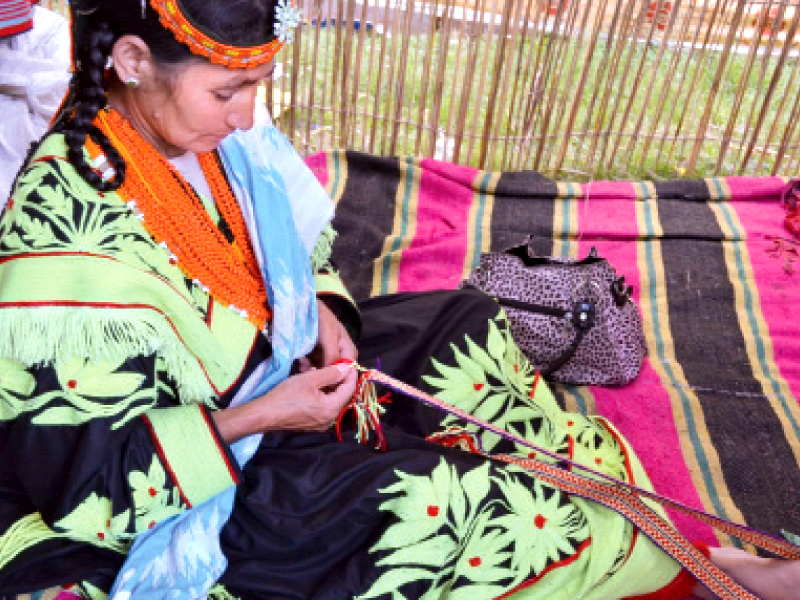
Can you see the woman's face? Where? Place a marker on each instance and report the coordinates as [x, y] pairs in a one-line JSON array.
[[194, 108]]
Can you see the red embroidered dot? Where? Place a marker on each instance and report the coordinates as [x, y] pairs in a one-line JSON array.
[[10, 204], [72, 384], [539, 521], [101, 535], [598, 460], [152, 524], [433, 511], [475, 561], [477, 386], [531, 454], [173, 260], [570, 423], [152, 491], [516, 368]]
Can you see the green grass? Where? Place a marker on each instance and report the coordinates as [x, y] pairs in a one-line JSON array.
[[609, 102]]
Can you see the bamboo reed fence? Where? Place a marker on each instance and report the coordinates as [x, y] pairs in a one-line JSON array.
[[575, 88]]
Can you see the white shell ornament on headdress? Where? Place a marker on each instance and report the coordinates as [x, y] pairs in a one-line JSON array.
[[287, 18]]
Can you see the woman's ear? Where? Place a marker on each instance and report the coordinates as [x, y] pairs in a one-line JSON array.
[[132, 60]]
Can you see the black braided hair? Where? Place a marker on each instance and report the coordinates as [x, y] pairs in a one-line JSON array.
[[96, 26], [90, 98]]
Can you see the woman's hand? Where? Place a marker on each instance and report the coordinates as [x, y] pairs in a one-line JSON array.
[[333, 343], [310, 401]]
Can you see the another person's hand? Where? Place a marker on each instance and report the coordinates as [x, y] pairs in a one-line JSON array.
[[333, 343], [309, 401]]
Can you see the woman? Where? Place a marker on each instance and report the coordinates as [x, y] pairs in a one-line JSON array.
[[168, 376]]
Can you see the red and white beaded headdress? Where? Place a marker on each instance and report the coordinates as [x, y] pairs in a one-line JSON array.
[[174, 18]]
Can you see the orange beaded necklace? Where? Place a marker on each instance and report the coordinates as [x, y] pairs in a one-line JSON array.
[[174, 215]]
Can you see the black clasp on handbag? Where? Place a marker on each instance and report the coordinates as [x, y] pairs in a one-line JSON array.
[[583, 314], [621, 292]]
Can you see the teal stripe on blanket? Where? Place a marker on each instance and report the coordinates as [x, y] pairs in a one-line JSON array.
[[564, 235], [697, 444], [398, 241], [481, 209], [337, 172], [756, 332]]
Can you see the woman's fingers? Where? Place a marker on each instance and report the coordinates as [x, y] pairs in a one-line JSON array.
[[337, 382], [304, 365], [308, 401], [347, 349], [333, 342]]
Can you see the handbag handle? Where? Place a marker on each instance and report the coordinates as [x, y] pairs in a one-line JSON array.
[[521, 252], [582, 317]]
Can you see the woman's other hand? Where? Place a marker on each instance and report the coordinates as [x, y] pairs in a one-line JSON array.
[[333, 343], [309, 401]]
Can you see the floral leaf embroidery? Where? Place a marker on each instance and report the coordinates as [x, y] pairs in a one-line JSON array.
[[492, 383], [82, 381], [540, 524], [389, 581], [152, 499], [37, 232], [15, 378], [447, 533], [422, 509], [93, 521], [96, 378]]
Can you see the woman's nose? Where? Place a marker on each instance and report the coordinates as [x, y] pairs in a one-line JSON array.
[[243, 114]]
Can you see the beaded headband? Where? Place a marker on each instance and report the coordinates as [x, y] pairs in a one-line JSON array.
[[287, 17]]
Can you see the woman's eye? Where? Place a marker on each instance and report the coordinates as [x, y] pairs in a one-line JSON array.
[[223, 96]]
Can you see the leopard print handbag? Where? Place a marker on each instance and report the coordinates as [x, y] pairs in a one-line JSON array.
[[574, 319]]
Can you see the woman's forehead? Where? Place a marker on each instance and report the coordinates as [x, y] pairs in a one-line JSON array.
[[214, 74]]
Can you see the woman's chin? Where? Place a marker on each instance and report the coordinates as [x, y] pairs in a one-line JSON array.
[[203, 144], [211, 142]]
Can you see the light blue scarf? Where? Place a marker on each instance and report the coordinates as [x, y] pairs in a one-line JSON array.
[[286, 209]]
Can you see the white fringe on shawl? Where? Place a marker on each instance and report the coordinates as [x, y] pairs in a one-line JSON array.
[[40, 335]]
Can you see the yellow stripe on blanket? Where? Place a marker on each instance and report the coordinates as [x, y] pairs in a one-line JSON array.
[[337, 174], [479, 225], [754, 328], [384, 278], [700, 456]]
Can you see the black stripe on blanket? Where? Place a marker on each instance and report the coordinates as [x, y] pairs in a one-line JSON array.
[[527, 208], [710, 347], [369, 190]]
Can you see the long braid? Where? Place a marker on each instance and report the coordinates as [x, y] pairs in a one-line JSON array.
[[90, 99]]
